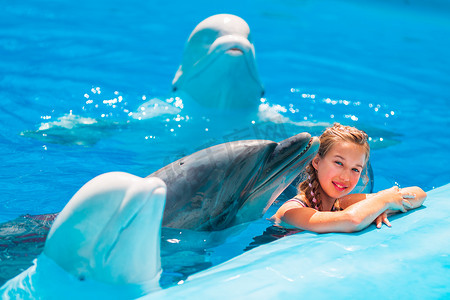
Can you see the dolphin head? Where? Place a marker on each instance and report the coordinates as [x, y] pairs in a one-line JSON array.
[[110, 231], [218, 68], [286, 162], [231, 183]]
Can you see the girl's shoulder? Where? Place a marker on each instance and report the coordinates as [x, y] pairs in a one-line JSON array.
[[298, 200], [295, 202]]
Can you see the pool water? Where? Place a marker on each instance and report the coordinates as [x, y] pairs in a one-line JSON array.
[[72, 72]]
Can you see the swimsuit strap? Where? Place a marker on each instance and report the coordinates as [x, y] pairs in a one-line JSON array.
[[298, 200], [303, 203]]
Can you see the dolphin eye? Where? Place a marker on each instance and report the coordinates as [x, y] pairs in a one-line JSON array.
[[174, 89]]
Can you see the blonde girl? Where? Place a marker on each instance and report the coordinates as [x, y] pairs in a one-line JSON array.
[[324, 203]]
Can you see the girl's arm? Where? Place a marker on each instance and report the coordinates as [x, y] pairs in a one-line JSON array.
[[415, 195], [356, 216]]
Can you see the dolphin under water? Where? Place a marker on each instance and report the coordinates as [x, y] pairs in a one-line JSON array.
[[212, 189], [218, 70], [218, 67]]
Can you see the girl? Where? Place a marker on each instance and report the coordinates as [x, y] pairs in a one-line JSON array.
[[323, 203]]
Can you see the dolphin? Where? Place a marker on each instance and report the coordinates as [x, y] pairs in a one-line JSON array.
[[95, 245], [96, 248], [218, 68], [232, 183], [212, 189]]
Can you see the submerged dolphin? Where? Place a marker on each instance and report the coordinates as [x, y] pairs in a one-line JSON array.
[[218, 67], [96, 246], [218, 70], [104, 243]]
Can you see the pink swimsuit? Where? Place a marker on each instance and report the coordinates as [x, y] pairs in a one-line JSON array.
[[302, 203]]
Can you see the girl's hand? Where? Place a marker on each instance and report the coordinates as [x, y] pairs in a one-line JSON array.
[[397, 200], [382, 219], [408, 195]]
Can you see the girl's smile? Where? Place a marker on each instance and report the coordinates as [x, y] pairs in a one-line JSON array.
[[339, 186], [339, 170]]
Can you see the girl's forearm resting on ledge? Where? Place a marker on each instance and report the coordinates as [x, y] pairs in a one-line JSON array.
[[360, 210]]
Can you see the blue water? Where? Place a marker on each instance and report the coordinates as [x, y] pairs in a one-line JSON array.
[[380, 66]]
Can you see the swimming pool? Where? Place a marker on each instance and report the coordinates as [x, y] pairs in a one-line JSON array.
[[382, 67]]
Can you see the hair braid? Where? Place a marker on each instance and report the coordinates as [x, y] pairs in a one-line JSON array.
[[309, 188]]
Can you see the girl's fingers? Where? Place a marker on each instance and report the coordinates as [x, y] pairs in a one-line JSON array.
[[407, 204], [409, 196], [382, 219], [386, 221]]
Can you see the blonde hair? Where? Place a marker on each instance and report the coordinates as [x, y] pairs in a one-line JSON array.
[[309, 188]]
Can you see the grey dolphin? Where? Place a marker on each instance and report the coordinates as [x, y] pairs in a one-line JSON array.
[[232, 183], [212, 189], [104, 221]]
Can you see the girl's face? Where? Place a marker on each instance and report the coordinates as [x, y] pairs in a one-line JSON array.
[[339, 171]]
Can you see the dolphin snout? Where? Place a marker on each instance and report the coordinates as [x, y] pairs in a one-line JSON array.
[[293, 146], [235, 51], [232, 42]]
